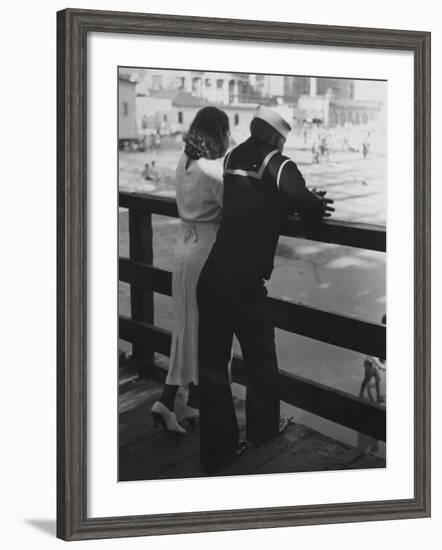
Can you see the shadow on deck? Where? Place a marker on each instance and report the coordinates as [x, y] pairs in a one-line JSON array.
[[146, 453]]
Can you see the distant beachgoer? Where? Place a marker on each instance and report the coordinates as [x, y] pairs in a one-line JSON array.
[[305, 133], [315, 152], [142, 145], [372, 368], [324, 149], [155, 174], [365, 149], [147, 174]]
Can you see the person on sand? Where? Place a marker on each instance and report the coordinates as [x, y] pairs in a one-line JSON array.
[[146, 174], [199, 196], [155, 174], [372, 368]]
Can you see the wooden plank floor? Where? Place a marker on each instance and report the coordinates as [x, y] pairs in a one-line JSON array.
[[146, 453]]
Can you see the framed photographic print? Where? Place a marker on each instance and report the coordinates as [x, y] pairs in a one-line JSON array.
[[229, 193]]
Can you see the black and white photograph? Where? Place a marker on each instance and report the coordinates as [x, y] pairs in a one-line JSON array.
[[252, 262], [219, 321]]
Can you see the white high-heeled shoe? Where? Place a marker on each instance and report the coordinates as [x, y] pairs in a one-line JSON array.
[[162, 415]]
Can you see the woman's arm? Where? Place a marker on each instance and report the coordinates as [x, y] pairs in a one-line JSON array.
[[213, 169]]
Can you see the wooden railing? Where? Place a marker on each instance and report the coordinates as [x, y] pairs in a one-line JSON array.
[[333, 328]]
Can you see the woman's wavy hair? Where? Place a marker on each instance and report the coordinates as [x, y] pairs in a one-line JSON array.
[[206, 137]]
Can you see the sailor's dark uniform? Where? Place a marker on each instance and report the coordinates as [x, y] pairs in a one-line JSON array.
[[261, 187]]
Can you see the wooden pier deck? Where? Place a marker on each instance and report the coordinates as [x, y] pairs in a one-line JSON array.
[[146, 453]]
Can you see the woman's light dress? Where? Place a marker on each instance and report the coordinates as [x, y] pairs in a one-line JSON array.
[[199, 195]]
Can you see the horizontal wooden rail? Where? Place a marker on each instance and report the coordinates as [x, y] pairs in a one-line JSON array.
[[164, 206], [324, 401], [333, 328], [340, 330], [358, 235]]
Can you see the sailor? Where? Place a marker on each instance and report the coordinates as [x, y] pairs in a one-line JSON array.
[[261, 188]]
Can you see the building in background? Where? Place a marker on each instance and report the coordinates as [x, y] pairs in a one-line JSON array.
[[219, 88], [166, 101], [294, 87], [172, 111], [338, 101], [127, 122], [353, 111]]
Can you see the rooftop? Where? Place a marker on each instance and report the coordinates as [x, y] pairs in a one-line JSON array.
[[180, 98]]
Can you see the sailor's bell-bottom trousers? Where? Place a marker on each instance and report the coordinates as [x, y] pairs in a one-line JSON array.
[[229, 307]]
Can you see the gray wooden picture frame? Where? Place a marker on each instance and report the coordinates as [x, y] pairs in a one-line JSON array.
[[73, 27]]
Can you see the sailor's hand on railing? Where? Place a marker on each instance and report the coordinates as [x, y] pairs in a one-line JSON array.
[[326, 203]]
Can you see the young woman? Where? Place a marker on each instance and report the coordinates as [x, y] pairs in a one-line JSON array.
[[199, 193]]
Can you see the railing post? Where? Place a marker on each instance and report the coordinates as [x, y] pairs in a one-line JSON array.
[[141, 300]]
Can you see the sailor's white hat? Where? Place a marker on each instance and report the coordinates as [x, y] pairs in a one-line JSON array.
[[274, 119]]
